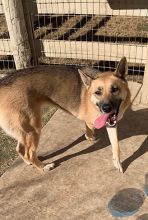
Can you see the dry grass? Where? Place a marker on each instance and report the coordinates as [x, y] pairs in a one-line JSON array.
[[135, 70], [7, 151], [121, 26], [66, 61], [116, 26], [89, 26], [41, 31], [59, 32]]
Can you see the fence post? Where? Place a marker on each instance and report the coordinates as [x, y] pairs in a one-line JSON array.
[[29, 11], [14, 14]]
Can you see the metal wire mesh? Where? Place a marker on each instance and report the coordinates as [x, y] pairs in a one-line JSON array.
[[84, 35], [6, 59], [80, 32]]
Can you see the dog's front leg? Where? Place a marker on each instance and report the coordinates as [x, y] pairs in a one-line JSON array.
[[113, 136], [90, 133]]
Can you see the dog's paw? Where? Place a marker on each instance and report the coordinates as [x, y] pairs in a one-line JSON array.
[[93, 138], [27, 162], [48, 167], [118, 165]]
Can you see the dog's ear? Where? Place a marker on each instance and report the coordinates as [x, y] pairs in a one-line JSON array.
[[88, 74], [122, 68], [85, 79]]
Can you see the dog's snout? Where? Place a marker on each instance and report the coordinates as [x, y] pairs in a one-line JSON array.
[[107, 107]]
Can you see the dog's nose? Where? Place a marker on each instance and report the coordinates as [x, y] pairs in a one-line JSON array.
[[107, 107]]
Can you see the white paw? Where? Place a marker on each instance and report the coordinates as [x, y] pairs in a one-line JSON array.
[[27, 162], [48, 167], [90, 138], [118, 165]]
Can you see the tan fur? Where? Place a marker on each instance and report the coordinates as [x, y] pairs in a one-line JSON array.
[[24, 92]]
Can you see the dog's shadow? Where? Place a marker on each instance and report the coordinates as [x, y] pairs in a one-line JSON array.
[[134, 123]]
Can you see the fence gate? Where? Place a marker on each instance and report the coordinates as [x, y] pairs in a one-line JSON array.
[[76, 32]]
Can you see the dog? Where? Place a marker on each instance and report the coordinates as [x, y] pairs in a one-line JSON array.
[[99, 99]]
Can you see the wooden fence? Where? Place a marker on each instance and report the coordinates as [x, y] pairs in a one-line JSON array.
[[23, 46]]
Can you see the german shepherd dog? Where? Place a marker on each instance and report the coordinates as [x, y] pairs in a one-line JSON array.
[[98, 99]]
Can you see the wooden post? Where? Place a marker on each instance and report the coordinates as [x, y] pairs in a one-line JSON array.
[[143, 95], [14, 13], [29, 11]]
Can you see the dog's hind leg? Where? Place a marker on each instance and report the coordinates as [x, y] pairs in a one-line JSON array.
[[28, 144], [25, 127], [32, 140], [32, 143], [22, 151], [26, 149], [112, 133]]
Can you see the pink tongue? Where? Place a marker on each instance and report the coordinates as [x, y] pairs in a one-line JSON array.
[[101, 121]]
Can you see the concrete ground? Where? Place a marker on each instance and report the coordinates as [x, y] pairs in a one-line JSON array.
[[84, 185]]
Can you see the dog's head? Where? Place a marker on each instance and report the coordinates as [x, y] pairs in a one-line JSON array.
[[108, 91]]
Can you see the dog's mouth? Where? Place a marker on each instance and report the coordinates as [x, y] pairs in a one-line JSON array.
[[108, 119], [111, 120]]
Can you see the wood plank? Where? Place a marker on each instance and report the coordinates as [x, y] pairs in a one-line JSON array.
[[84, 7], [134, 89], [1, 8], [5, 47], [143, 95], [93, 50], [84, 50]]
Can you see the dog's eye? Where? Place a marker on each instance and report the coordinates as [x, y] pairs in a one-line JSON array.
[[114, 89], [98, 92]]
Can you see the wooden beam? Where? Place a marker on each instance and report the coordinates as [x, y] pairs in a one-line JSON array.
[[83, 7], [1, 8], [92, 50], [90, 7], [134, 88], [84, 50]]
